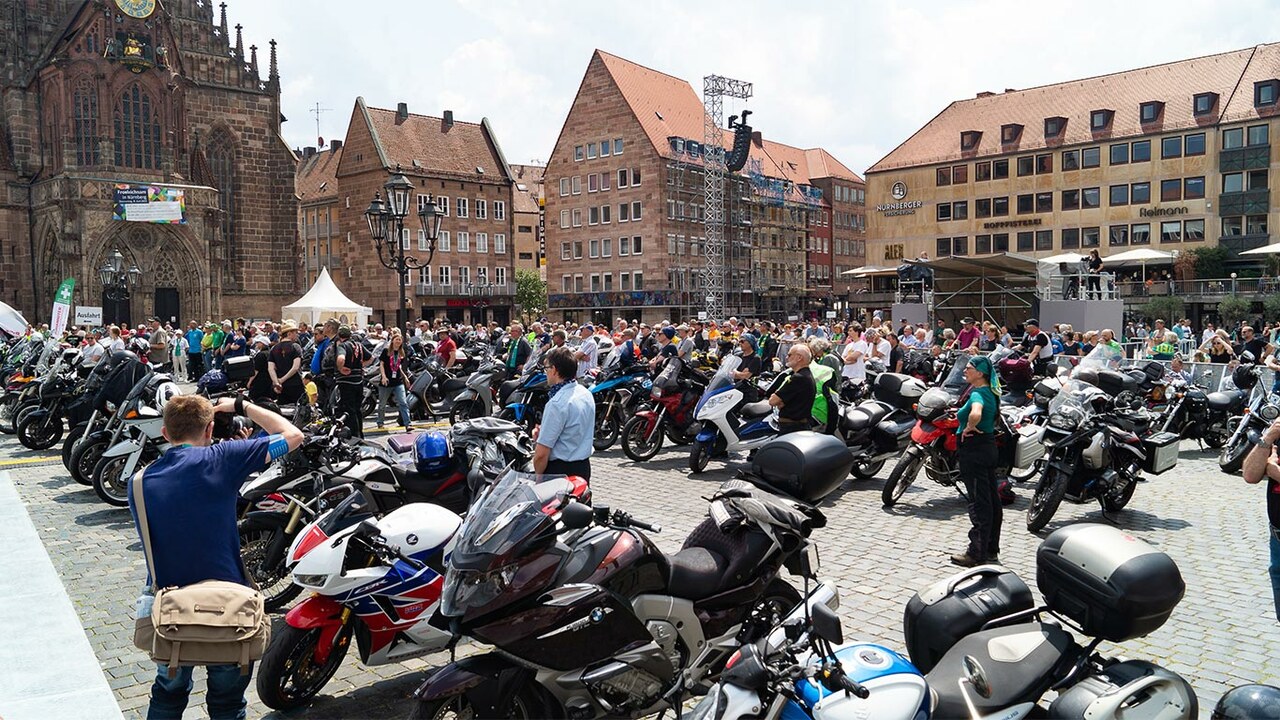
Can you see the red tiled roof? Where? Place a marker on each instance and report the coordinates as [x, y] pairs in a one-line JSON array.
[[421, 143], [1230, 75], [317, 175], [530, 176], [823, 164]]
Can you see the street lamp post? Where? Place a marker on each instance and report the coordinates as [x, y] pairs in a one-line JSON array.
[[117, 282], [386, 227]]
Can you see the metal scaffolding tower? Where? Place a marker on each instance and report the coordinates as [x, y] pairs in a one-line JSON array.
[[714, 89]]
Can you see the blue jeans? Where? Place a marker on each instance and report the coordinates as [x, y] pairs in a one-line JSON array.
[[1275, 568], [402, 404], [224, 698]]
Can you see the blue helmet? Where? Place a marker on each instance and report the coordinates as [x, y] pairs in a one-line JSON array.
[[434, 453]]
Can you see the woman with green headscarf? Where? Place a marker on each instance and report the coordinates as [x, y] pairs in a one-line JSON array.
[[977, 459]]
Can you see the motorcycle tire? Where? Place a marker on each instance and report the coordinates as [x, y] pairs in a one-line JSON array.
[[287, 675], [867, 471], [466, 411], [1232, 455], [85, 457], [368, 405], [634, 443], [1025, 474], [526, 704], [69, 443], [275, 583], [1046, 499], [111, 488], [22, 412], [1216, 436], [1115, 503], [8, 406], [606, 431], [904, 473], [699, 456], [40, 433]]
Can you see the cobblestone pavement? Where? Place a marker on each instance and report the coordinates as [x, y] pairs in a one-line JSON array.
[[1223, 633]]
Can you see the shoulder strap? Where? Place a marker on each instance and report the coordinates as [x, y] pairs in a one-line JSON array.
[[140, 501]]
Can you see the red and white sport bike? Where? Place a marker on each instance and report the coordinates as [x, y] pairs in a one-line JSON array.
[[377, 580]]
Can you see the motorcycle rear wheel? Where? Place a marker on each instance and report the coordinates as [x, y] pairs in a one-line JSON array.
[[287, 676], [526, 704], [1046, 499], [111, 488], [276, 583], [607, 428], [867, 471], [40, 433], [1232, 456], [466, 411], [904, 473], [85, 457], [634, 443], [699, 456], [1115, 503], [1216, 437]]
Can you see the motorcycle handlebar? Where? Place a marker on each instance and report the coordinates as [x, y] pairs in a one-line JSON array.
[[837, 681], [622, 518]]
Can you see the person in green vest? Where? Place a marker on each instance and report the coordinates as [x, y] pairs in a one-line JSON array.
[[1165, 348], [824, 381]]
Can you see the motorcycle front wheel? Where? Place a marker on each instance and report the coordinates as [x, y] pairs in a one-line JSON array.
[[70, 442], [288, 676], [904, 473], [8, 405], [699, 456], [1046, 499], [270, 573], [85, 457], [109, 481], [635, 442], [607, 427], [1232, 456], [40, 433]]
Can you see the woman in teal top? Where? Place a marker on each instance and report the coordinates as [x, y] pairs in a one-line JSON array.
[[977, 458]]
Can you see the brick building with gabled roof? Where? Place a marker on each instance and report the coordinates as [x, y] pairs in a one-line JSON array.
[[319, 212], [461, 165], [625, 208]]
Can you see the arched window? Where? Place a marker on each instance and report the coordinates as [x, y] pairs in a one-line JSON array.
[[222, 163], [85, 104], [137, 130]]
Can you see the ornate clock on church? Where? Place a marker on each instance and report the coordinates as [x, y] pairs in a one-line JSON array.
[[137, 8]]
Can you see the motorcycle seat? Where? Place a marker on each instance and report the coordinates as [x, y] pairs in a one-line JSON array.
[[712, 561], [1018, 661], [696, 573], [1221, 401], [505, 390], [863, 416], [754, 410]]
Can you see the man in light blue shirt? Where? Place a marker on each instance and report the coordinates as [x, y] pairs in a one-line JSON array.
[[588, 352], [568, 423]]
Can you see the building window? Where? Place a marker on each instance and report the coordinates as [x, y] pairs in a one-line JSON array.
[[1120, 154], [1256, 225], [1026, 204], [1091, 157], [1171, 231], [1170, 190], [1233, 138], [1140, 151], [624, 281], [604, 214], [982, 207], [1090, 237], [1194, 144], [1070, 238], [1026, 241], [637, 279], [593, 183], [1118, 235], [1099, 120], [635, 247], [593, 248], [1070, 159], [622, 178], [604, 148], [1257, 179], [1202, 104], [1171, 147], [617, 146], [1233, 182], [424, 275], [591, 151], [1070, 199], [137, 127], [1044, 202], [1044, 163], [564, 219], [981, 171], [422, 240], [999, 169], [959, 175], [1090, 198], [442, 205], [445, 271], [565, 252], [464, 242], [1232, 226], [577, 249], [960, 210], [608, 282], [482, 209], [406, 239], [606, 247], [564, 187], [222, 164], [85, 102], [943, 176], [464, 276], [982, 245], [577, 282], [1119, 195], [1044, 240], [624, 246], [1010, 133], [442, 242], [1054, 126], [577, 152], [1000, 242], [1149, 112], [943, 247], [604, 181], [1140, 234], [1193, 230], [462, 209], [499, 210], [1000, 206], [1026, 165], [500, 276], [635, 211], [1265, 92], [624, 212], [969, 140], [593, 215], [482, 242], [1193, 188], [943, 211], [576, 183], [1257, 135], [1140, 193]]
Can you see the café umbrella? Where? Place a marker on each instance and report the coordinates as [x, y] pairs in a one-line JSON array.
[[1139, 255]]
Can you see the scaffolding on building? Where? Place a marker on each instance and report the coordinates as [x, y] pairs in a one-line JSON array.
[[715, 88]]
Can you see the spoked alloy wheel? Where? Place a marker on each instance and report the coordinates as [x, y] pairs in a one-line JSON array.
[[636, 442], [85, 457], [109, 481], [8, 406], [1046, 499], [607, 426], [904, 473], [288, 675], [699, 456], [40, 433], [271, 575], [1113, 501]]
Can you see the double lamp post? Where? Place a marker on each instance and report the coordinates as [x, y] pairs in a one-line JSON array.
[[386, 225]]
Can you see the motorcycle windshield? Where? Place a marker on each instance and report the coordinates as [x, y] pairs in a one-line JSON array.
[[955, 382], [670, 375], [1102, 357], [723, 379], [1073, 405]]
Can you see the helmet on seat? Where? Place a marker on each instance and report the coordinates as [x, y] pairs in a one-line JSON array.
[[1255, 702], [433, 453]]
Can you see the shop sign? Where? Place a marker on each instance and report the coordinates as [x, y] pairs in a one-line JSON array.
[[1163, 211], [903, 206], [894, 252], [1029, 222]]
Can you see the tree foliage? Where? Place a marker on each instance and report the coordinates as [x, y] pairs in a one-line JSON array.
[[531, 293], [1271, 306], [1233, 309], [1210, 262], [1164, 307]]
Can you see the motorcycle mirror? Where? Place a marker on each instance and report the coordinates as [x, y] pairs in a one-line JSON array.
[[576, 515], [976, 676], [826, 624], [367, 529]]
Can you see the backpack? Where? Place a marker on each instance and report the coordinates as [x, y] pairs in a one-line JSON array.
[[329, 359]]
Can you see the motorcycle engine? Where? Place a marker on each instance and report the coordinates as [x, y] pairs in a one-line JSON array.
[[622, 688], [1095, 455], [664, 633]]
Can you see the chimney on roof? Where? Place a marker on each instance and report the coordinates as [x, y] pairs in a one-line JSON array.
[[447, 121], [757, 139], [402, 112], [308, 152], [986, 94], [1009, 90], [335, 145]]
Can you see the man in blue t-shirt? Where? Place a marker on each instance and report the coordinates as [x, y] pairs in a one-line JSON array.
[[191, 494], [195, 358]]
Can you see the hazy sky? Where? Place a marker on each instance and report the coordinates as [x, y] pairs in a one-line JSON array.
[[854, 77]]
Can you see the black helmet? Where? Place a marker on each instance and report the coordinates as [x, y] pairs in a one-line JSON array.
[[1243, 377], [1249, 702]]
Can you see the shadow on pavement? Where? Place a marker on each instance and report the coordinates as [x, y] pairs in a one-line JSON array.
[[387, 698]]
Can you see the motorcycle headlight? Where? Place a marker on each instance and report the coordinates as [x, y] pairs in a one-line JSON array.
[[1067, 419], [463, 590], [715, 402], [1269, 412], [657, 392], [310, 580]]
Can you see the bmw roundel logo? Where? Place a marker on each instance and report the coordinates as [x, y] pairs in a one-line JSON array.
[[411, 539], [899, 190], [597, 615]]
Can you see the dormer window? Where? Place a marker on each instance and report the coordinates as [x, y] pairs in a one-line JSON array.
[[969, 140], [1010, 133], [1203, 103], [1100, 119], [1149, 112], [1054, 126], [1266, 93]]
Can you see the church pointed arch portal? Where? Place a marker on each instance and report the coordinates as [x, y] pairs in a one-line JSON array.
[[170, 287]]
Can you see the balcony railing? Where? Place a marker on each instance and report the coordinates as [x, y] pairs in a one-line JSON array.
[[464, 289], [1249, 202], [1257, 157]]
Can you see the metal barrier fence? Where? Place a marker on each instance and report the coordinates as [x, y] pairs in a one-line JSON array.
[[1208, 375]]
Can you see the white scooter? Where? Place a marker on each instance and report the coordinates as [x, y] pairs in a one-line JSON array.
[[724, 431]]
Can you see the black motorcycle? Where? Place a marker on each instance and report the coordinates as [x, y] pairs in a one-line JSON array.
[[879, 428], [59, 394], [1259, 412], [1193, 413]]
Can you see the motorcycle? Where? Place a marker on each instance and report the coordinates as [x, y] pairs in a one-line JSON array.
[[114, 408], [589, 618], [59, 392], [722, 430], [1193, 413], [433, 389], [377, 581], [1251, 418], [142, 430], [103, 393], [676, 391], [879, 428], [524, 398], [477, 397], [615, 391]]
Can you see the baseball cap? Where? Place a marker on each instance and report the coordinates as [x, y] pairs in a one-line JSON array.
[[1032, 321]]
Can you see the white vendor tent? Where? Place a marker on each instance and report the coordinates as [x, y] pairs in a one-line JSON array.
[[323, 301], [11, 321]]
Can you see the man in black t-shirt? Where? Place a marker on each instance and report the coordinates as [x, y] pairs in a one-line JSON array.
[[349, 359], [1251, 343], [286, 365], [1037, 348], [1261, 463], [794, 392]]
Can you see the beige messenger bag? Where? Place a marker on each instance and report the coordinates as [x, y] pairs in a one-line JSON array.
[[212, 622]]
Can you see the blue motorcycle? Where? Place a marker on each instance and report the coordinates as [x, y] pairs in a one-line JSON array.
[[617, 391], [523, 399]]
